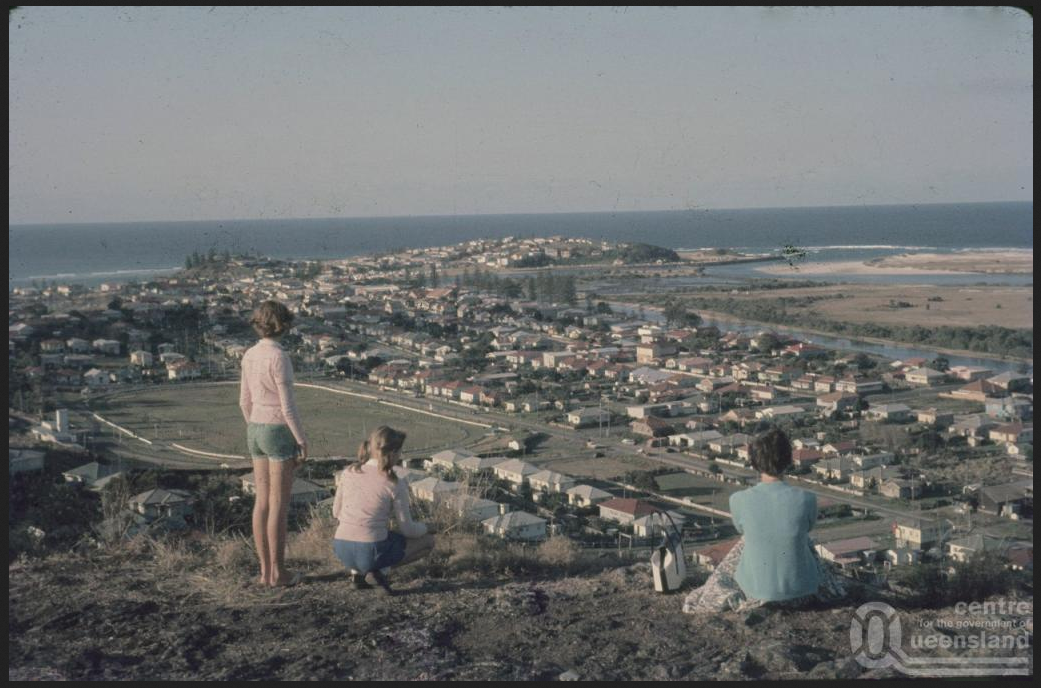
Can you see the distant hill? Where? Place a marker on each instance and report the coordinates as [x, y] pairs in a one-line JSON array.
[[641, 253]]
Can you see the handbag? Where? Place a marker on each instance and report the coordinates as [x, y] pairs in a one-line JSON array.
[[668, 564]]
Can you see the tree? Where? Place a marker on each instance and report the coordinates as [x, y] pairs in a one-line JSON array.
[[435, 279], [941, 363]]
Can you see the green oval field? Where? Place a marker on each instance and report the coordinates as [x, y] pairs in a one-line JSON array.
[[206, 417]]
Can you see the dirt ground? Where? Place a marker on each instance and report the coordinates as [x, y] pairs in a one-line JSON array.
[[162, 615]]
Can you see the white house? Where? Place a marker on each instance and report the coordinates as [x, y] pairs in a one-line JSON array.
[[449, 458], [586, 495], [434, 490], [514, 471], [96, 378], [109, 347], [516, 525], [550, 482]]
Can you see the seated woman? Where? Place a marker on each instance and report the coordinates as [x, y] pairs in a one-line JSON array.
[[368, 492], [774, 561]]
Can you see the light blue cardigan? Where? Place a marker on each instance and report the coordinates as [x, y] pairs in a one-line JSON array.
[[777, 562]]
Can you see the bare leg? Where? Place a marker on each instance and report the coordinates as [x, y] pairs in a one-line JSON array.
[[278, 514], [417, 548], [260, 516]]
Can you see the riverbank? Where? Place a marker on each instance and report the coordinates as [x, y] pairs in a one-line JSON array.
[[1009, 262], [751, 324]]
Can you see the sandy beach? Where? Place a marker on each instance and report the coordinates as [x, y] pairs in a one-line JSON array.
[[986, 262]]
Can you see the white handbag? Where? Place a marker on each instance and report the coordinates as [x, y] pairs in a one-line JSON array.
[[667, 562]]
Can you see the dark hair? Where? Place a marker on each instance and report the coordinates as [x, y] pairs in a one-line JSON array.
[[271, 319], [383, 443], [771, 452]]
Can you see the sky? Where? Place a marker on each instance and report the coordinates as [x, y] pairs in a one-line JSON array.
[[200, 113]]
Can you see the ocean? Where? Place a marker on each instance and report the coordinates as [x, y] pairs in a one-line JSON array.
[[93, 253]]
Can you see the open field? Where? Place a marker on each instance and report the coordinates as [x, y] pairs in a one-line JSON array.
[[968, 306], [207, 418]]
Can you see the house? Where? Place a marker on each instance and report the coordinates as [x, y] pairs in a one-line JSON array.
[[141, 358], [728, 445], [109, 347], [1009, 408], [159, 503], [516, 525], [849, 552], [898, 488], [975, 425], [651, 427], [625, 511], [695, 440], [980, 390], [550, 482], [96, 378], [94, 476], [586, 495], [896, 413], [25, 460], [434, 490], [514, 471], [476, 464], [804, 458], [838, 469], [931, 416], [780, 412], [873, 478], [470, 507], [843, 448], [711, 556], [918, 533], [837, 402], [1011, 382], [1008, 500], [969, 373], [303, 492], [77, 345], [1013, 433], [449, 458], [586, 416], [964, 548], [864, 461], [858, 385], [183, 370], [654, 525], [924, 377]]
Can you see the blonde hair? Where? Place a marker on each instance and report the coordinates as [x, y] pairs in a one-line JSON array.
[[383, 443], [271, 319]]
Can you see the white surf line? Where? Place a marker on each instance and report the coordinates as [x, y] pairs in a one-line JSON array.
[[121, 429]]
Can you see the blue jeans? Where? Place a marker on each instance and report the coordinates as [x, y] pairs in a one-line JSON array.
[[368, 556]]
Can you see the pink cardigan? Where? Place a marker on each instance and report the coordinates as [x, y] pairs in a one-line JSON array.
[[266, 394], [364, 503]]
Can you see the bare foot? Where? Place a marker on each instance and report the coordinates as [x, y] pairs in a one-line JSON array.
[[286, 581]]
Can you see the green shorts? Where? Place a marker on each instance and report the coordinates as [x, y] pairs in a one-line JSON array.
[[271, 441]]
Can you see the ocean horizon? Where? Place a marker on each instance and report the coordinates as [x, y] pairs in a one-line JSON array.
[[91, 253]]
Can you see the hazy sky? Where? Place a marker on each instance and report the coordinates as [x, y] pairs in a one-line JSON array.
[[121, 114]]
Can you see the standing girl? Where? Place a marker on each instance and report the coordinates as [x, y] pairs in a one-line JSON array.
[[277, 443]]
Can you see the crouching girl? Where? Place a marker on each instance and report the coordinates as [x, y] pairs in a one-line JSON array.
[[367, 494]]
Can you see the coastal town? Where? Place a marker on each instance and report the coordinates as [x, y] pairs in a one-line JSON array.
[[583, 417]]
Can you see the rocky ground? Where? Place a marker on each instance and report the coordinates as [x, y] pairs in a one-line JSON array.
[[159, 612]]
